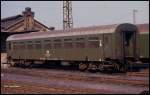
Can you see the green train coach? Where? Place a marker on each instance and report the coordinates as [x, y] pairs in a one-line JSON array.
[[111, 48]]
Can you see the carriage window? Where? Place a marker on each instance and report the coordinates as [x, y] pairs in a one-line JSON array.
[[79, 39], [68, 45], [57, 40], [21, 45], [106, 40], [47, 41], [29, 45], [9, 45], [80, 44], [15, 46], [38, 44], [67, 39], [47, 44], [93, 38], [93, 44], [128, 36], [57, 45]]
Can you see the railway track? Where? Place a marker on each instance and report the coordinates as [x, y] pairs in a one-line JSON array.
[[143, 73], [77, 75], [68, 86], [28, 88], [140, 74]]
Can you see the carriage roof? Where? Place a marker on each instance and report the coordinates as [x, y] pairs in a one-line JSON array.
[[62, 33], [115, 28]]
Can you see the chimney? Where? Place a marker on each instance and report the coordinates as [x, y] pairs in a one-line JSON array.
[[28, 19]]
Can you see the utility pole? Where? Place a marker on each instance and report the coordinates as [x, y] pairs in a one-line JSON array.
[[134, 16], [67, 15], [135, 46]]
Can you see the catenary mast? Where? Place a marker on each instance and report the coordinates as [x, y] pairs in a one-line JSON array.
[[67, 15]]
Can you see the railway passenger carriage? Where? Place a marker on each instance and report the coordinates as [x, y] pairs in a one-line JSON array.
[[101, 48]]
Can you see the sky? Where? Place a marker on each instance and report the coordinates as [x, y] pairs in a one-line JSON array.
[[85, 13]]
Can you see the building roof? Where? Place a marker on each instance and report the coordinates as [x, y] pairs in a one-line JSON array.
[[75, 31], [11, 18], [9, 22]]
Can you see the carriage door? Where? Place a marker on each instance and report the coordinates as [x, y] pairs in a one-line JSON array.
[[129, 44]]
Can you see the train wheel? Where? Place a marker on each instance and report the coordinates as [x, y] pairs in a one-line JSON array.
[[22, 63], [116, 66], [83, 66], [27, 64], [93, 67], [100, 67]]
